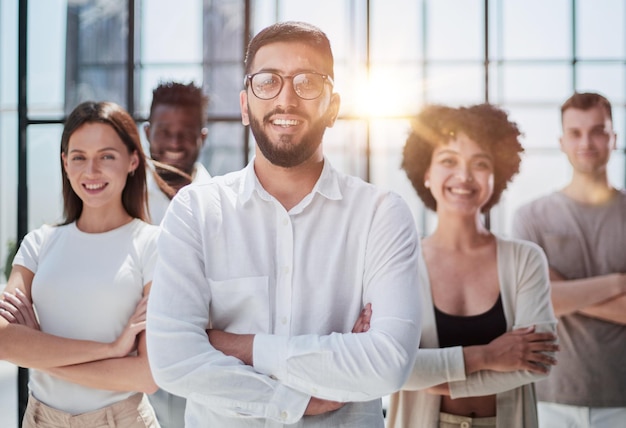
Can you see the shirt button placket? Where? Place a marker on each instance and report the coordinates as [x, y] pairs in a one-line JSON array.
[[284, 278]]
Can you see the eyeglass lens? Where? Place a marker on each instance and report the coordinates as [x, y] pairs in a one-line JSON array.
[[306, 85]]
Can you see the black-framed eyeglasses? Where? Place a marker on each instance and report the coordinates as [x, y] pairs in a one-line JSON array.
[[267, 85]]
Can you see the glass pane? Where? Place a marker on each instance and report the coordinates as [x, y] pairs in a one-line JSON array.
[[600, 26], [457, 35], [8, 53], [345, 145], [8, 397], [45, 198], [101, 30], [387, 142], [386, 42], [8, 187], [224, 82], [541, 126], [536, 83], [223, 31], [607, 79], [171, 33], [46, 58], [541, 172], [455, 84], [223, 149], [536, 29], [347, 83], [99, 83], [345, 26], [264, 12], [96, 53]]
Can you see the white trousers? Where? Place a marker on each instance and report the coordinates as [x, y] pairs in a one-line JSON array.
[[553, 415]]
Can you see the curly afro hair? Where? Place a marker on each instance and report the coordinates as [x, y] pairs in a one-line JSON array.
[[485, 124]]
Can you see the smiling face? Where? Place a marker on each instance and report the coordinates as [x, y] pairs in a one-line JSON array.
[[288, 129], [176, 136], [97, 164], [588, 139], [461, 176]]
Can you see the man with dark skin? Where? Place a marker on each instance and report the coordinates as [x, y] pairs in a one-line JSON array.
[[176, 134]]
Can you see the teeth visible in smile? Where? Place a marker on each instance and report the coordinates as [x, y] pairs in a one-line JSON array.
[[285, 122], [460, 191], [175, 155], [94, 186]]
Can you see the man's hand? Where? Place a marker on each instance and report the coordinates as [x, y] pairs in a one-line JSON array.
[[317, 406], [362, 323], [240, 346]]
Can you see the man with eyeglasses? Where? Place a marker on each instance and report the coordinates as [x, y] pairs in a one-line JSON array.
[[582, 229], [264, 271], [176, 135]]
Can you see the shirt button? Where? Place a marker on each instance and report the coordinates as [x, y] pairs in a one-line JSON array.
[[465, 424], [283, 415], [284, 320], [286, 269], [285, 222]]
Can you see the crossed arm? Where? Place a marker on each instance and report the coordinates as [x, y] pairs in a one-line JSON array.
[[241, 346], [513, 359], [602, 297], [518, 350], [94, 364]]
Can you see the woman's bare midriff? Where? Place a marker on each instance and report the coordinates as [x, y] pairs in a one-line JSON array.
[[474, 407]]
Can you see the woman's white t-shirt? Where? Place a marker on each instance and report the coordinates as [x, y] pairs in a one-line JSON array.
[[86, 286]]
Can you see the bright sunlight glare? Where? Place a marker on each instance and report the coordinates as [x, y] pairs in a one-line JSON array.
[[386, 93]]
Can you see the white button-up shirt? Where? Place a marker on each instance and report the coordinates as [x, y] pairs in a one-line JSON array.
[[232, 258]]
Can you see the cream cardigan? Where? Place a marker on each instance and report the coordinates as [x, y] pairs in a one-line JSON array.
[[525, 291]]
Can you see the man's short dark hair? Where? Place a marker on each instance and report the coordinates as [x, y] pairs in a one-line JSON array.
[[291, 31], [179, 94], [586, 101]]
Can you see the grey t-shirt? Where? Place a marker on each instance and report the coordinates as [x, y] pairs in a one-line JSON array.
[[582, 241]]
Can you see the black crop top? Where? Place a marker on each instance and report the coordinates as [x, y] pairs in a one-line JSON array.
[[457, 330]]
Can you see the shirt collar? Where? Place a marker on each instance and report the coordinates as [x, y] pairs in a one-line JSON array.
[[327, 185]]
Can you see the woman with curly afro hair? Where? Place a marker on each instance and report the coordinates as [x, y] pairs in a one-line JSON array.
[[487, 324]]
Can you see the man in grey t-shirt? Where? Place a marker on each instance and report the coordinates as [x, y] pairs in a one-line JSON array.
[[582, 229]]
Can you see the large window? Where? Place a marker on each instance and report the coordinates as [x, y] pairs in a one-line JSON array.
[[392, 56]]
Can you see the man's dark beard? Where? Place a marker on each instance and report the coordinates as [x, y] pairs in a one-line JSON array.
[[285, 154]]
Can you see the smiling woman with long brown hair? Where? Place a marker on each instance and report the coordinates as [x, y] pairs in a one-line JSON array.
[[75, 302]]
